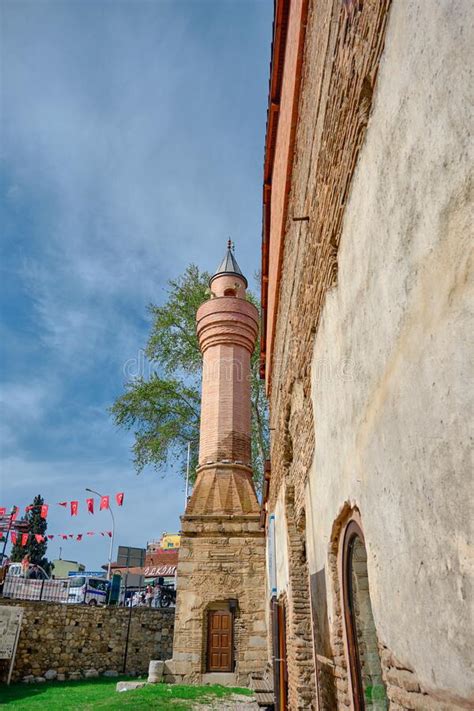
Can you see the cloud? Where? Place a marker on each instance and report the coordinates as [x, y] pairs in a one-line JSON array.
[[132, 144]]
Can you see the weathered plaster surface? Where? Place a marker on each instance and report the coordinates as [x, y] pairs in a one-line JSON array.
[[392, 434]]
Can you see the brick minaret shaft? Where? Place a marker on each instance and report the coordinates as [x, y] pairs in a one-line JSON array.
[[227, 327], [222, 556]]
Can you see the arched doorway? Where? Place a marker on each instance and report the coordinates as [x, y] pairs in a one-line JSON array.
[[368, 688]]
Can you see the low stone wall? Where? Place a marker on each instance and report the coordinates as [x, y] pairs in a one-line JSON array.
[[74, 639]]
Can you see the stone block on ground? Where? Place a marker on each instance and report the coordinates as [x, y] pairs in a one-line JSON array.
[[91, 674], [129, 685], [51, 674], [39, 679], [28, 679], [110, 673], [155, 671]]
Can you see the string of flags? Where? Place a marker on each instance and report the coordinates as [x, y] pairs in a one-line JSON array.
[[22, 538], [73, 506]]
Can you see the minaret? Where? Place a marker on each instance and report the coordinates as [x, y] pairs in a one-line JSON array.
[[227, 328], [220, 615]]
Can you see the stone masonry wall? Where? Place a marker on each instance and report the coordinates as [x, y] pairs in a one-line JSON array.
[[73, 639], [220, 560]]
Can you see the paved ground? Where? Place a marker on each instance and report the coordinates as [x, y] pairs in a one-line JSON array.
[[233, 703]]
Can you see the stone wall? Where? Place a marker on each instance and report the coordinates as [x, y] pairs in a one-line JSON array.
[[72, 639]]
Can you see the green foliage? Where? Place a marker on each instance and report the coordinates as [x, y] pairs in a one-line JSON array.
[[163, 410], [35, 550]]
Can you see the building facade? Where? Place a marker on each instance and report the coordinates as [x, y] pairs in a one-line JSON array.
[[220, 630], [365, 353], [62, 568]]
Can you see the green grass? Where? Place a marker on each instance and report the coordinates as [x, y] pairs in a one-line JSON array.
[[92, 694]]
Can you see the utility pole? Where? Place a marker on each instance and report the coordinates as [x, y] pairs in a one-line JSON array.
[[113, 533], [186, 491], [10, 521]]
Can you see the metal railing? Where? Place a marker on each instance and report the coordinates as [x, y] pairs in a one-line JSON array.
[[19, 588]]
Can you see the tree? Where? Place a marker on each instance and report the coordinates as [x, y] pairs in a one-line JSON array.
[[163, 410], [36, 550]]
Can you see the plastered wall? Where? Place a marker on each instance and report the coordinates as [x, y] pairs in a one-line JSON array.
[[392, 435]]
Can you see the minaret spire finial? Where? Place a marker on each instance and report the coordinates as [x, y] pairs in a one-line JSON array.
[[229, 264]]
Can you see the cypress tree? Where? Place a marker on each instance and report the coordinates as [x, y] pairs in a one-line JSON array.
[[36, 550]]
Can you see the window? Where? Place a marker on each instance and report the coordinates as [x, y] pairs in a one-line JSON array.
[[366, 672]]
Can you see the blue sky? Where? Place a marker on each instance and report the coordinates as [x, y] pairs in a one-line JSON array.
[[132, 140]]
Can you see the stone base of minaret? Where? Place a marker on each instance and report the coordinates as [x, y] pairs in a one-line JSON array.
[[220, 627]]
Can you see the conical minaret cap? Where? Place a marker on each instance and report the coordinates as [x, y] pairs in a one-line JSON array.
[[228, 266]]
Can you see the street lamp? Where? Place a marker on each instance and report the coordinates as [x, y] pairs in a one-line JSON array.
[[113, 532]]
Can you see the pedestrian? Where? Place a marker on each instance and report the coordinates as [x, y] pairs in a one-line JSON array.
[[25, 565], [3, 575], [34, 573], [149, 595]]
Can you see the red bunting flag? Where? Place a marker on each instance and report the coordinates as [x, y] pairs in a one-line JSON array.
[[13, 535], [90, 505], [79, 536], [74, 507], [119, 498], [39, 538], [28, 508], [24, 539], [50, 537], [44, 510], [14, 513], [64, 536], [109, 533], [104, 502], [90, 533], [62, 503], [3, 511]]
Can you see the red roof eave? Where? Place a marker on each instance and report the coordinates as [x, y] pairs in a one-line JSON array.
[[280, 32]]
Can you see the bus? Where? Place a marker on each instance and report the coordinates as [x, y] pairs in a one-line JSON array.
[[88, 590]]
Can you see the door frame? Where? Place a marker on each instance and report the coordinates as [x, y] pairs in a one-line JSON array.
[[352, 531]]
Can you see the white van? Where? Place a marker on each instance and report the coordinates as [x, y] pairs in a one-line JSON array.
[[87, 590]]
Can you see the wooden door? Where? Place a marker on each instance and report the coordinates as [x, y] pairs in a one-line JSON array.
[[219, 641], [280, 669], [283, 689]]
